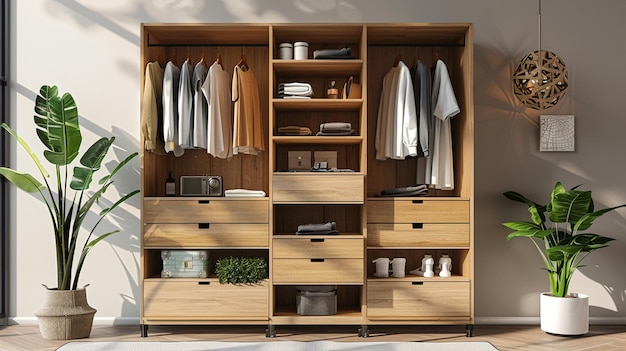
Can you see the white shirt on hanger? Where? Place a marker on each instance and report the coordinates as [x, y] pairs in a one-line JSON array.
[[171, 79], [216, 90]]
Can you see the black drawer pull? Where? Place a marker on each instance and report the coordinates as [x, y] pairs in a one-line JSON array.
[[317, 240], [418, 225], [417, 283], [317, 260], [204, 201], [204, 283], [204, 225], [418, 201]]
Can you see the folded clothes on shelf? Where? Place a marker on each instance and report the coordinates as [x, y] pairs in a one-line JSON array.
[[294, 130], [244, 193], [335, 54], [318, 228], [335, 129], [295, 89], [418, 190]]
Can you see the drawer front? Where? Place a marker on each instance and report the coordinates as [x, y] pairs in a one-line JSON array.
[[318, 247], [317, 271], [328, 188], [205, 211], [193, 298], [418, 211], [418, 234], [206, 235], [419, 300]]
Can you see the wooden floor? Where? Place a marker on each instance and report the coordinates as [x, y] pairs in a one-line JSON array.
[[605, 338]]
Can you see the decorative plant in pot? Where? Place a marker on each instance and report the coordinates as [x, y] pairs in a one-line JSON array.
[[66, 314], [556, 231]]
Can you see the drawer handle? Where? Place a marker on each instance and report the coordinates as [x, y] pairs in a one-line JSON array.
[[418, 201], [317, 240], [204, 225], [204, 201], [317, 260], [204, 283], [417, 283], [418, 225]]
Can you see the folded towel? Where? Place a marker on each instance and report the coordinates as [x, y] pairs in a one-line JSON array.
[[294, 130], [244, 193], [331, 132], [321, 228], [335, 125], [344, 53]]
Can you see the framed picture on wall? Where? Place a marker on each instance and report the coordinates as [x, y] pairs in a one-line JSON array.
[[557, 133]]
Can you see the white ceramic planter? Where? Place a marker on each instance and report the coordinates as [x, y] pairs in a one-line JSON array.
[[564, 315]]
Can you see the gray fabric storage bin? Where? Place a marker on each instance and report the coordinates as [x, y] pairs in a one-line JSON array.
[[316, 300]]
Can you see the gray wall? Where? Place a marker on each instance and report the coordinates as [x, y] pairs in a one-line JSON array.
[[91, 49]]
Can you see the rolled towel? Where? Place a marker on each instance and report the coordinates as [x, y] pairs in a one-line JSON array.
[[244, 193], [335, 125], [315, 228]]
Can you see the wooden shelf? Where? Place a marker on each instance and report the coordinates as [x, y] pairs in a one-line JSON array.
[[318, 140], [326, 67], [317, 104]]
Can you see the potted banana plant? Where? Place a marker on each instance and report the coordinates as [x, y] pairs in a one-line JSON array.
[[68, 199], [556, 231]]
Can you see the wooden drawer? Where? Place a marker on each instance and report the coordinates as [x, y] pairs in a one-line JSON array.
[[311, 188], [205, 298], [205, 210], [318, 248], [417, 299], [317, 271], [418, 234], [206, 235], [418, 211]]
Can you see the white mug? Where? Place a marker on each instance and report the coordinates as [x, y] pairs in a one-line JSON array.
[[397, 266], [382, 267]]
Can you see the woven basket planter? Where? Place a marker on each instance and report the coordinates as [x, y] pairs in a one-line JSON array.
[[65, 315]]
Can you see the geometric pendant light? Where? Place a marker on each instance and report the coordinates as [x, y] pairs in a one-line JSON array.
[[540, 79]]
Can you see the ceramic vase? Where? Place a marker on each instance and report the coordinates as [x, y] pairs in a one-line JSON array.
[[564, 315]]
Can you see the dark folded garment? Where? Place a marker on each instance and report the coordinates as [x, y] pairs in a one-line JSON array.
[[330, 132], [319, 229], [419, 190], [344, 53]]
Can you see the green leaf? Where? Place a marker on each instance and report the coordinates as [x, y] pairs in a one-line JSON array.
[[24, 145], [539, 234], [569, 206], [23, 181], [92, 160], [81, 178], [587, 220], [57, 125]]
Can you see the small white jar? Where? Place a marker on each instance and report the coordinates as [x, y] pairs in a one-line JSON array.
[[286, 51], [301, 50]]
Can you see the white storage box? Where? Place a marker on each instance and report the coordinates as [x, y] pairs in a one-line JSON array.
[[185, 264], [316, 300]]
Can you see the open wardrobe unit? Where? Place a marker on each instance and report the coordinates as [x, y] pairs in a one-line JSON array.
[[338, 155]]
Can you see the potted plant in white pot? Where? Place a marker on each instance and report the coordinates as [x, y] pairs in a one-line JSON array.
[[556, 230], [68, 200]]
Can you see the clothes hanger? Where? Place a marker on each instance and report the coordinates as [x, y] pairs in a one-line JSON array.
[[397, 61], [218, 60], [416, 60], [243, 62]]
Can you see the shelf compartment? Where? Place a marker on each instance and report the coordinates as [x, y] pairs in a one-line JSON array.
[[348, 219], [311, 247], [417, 299], [453, 235], [349, 301], [204, 298], [319, 270], [460, 262], [307, 188], [317, 104], [316, 67], [205, 235]]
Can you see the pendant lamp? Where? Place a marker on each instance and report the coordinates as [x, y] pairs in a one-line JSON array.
[[540, 80]]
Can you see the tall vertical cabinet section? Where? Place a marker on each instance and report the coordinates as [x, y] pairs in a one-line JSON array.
[[369, 226]]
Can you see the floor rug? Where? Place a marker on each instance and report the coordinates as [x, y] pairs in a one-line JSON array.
[[276, 346]]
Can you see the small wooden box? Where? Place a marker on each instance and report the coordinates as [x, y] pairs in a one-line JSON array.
[[185, 264], [299, 160]]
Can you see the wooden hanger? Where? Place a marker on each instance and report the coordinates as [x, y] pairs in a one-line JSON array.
[[416, 60], [243, 63], [397, 61], [218, 60]]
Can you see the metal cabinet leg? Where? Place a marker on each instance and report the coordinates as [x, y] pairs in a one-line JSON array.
[[144, 330], [469, 330], [363, 332], [270, 332]]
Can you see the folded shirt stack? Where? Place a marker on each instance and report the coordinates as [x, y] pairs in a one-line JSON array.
[[244, 193], [335, 129], [418, 190], [294, 130], [295, 90], [335, 54], [319, 229]]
